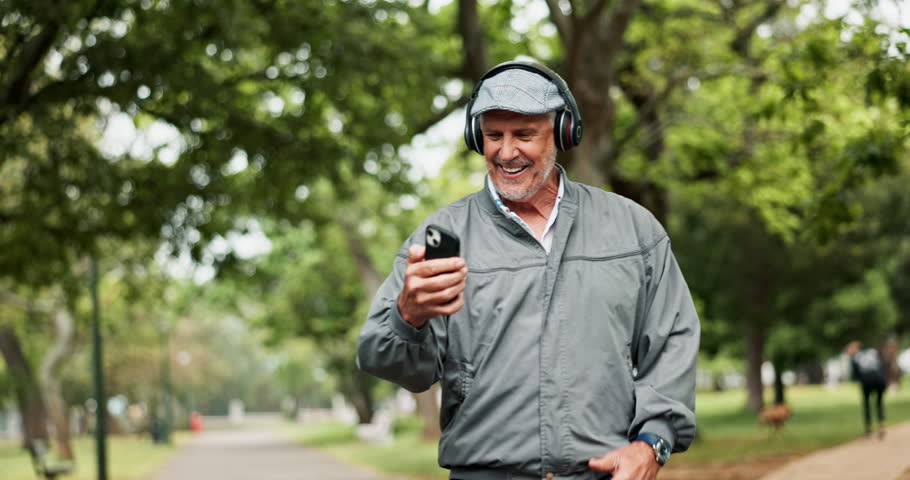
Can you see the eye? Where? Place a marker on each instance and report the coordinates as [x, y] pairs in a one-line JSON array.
[[493, 136]]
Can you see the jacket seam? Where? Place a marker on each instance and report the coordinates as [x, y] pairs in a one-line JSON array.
[[505, 269], [633, 253]]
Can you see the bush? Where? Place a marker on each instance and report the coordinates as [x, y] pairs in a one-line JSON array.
[[407, 424]]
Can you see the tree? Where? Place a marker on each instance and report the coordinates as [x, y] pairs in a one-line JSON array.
[[255, 115], [736, 106]]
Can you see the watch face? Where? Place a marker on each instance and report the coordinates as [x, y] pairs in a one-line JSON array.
[[663, 451]]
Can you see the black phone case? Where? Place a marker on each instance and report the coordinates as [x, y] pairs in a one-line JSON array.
[[441, 243]]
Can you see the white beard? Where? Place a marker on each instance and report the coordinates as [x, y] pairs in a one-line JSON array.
[[532, 189]]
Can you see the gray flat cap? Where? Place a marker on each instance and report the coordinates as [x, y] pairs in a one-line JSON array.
[[517, 91]]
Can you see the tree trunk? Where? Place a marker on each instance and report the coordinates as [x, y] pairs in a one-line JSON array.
[[473, 40], [28, 394], [755, 345], [50, 382], [428, 409], [814, 373], [362, 397], [779, 397]]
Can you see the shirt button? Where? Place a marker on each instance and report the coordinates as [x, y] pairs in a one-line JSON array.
[[550, 476]]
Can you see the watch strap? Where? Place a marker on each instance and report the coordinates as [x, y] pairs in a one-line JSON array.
[[661, 447]]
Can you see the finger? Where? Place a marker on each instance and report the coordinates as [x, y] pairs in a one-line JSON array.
[[436, 266], [444, 280], [416, 253], [606, 463], [451, 307], [444, 296]]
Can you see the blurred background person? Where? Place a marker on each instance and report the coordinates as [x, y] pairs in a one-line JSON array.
[[868, 368]]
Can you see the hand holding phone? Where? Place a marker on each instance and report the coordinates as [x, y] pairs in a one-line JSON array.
[[434, 279]]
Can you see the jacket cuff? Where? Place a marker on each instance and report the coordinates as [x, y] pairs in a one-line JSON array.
[[405, 330], [661, 427]]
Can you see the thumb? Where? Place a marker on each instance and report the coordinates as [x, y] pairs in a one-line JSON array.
[[416, 253], [606, 463]]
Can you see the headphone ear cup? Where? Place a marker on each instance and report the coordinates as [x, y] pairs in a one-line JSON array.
[[477, 135], [577, 131], [468, 132], [473, 136], [561, 122]]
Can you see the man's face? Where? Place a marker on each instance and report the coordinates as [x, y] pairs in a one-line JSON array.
[[520, 152]]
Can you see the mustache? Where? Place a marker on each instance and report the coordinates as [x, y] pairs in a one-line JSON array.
[[519, 162]]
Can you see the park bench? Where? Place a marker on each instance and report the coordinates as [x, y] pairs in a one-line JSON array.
[[38, 450]]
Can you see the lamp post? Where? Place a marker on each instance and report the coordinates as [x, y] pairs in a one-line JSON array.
[[164, 433], [101, 405]]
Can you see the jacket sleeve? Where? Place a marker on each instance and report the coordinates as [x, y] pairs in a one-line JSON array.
[[394, 350], [664, 351]]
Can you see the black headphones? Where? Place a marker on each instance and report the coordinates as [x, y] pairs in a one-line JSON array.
[[567, 126]]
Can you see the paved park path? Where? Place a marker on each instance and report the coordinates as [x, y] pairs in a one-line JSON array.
[[261, 453], [255, 454], [865, 458]]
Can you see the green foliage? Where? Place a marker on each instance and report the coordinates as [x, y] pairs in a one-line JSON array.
[[303, 375], [773, 144], [294, 92], [407, 425], [811, 299]]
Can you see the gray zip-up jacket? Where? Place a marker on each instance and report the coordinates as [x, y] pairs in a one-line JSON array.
[[555, 358]]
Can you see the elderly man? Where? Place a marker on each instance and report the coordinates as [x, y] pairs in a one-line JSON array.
[[564, 335]]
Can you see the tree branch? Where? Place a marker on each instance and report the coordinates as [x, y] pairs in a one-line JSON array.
[[368, 275], [34, 51], [619, 21], [63, 87], [645, 106], [14, 92], [594, 13], [741, 43], [656, 13], [25, 304], [561, 20], [438, 117]]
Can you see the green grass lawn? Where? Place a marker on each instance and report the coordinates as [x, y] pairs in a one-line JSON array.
[[821, 418], [407, 455], [128, 458]]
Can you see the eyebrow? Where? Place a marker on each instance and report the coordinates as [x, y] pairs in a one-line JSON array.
[[519, 131]]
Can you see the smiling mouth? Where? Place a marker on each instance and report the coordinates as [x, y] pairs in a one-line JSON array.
[[513, 170]]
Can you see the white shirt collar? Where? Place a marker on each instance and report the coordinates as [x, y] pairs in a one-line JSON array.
[[546, 241]]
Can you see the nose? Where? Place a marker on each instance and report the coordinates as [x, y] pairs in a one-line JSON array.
[[509, 149]]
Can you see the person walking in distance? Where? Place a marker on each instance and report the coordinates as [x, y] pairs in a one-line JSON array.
[[564, 335], [868, 368]]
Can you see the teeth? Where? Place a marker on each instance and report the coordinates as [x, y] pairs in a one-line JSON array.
[[513, 170]]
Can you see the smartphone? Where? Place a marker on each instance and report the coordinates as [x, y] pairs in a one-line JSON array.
[[441, 243]]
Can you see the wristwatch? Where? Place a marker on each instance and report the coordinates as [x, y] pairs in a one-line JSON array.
[[661, 447]]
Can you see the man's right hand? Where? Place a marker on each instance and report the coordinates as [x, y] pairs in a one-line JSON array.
[[431, 287]]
